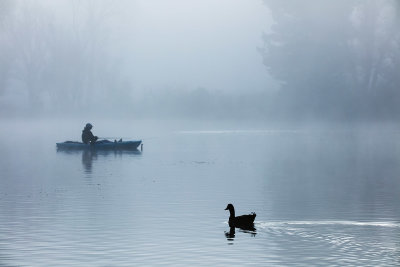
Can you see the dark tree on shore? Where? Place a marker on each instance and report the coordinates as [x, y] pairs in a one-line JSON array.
[[64, 63], [335, 58]]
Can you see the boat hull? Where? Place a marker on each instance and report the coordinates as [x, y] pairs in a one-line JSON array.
[[124, 145]]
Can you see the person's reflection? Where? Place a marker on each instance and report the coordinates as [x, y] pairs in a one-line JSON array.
[[90, 155], [87, 159]]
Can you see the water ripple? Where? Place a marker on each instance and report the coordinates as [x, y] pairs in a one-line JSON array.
[[263, 225]]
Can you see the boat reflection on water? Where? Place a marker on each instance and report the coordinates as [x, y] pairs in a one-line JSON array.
[[91, 155]]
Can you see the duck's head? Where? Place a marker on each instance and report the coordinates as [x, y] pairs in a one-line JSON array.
[[229, 207]]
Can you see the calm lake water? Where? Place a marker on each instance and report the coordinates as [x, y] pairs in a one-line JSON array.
[[322, 197]]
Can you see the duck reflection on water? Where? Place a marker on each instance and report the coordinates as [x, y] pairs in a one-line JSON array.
[[230, 235]]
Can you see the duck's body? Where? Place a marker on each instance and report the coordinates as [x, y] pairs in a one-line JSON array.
[[243, 221]]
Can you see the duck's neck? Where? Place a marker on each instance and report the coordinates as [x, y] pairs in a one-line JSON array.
[[232, 212]]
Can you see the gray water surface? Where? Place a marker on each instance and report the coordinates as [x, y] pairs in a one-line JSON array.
[[322, 197]]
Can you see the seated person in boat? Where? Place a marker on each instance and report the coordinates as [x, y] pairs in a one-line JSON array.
[[87, 135]]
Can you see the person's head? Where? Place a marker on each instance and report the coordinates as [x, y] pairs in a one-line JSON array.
[[88, 126]]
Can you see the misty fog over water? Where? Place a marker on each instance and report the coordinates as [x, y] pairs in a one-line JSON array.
[[270, 60], [321, 197], [288, 109], [141, 58]]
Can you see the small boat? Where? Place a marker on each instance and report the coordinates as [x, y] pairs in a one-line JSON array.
[[122, 145]]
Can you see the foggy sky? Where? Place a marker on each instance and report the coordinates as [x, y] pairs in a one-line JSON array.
[[211, 44], [185, 44], [201, 58]]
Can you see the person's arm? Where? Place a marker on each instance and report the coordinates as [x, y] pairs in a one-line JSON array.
[[92, 137]]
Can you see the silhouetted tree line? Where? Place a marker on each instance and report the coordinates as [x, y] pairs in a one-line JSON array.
[[66, 66], [63, 63], [335, 59], [49, 63]]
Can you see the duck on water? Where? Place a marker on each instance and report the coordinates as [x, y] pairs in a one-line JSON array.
[[245, 222]]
